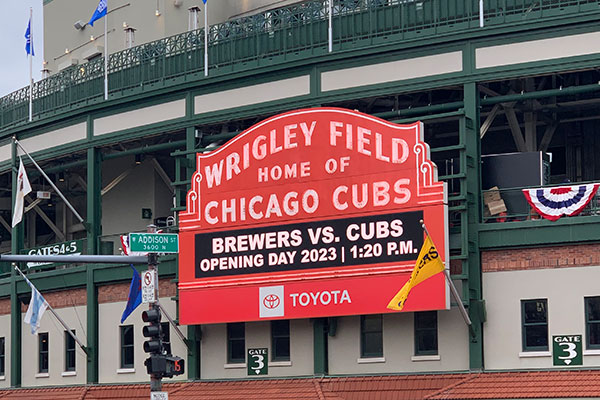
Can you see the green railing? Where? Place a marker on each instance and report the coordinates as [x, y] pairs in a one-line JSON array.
[[510, 205], [293, 32]]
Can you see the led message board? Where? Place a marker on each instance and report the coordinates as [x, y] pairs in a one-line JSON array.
[[310, 213]]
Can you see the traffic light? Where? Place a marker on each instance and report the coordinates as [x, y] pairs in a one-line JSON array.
[[152, 331], [165, 366]]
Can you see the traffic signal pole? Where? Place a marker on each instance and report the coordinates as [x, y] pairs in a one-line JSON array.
[[155, 380]]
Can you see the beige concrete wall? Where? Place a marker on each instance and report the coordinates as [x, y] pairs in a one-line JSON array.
[[5, 333], [503, 292], [398, 346], [258, 335], [109, 321], [75, 318]]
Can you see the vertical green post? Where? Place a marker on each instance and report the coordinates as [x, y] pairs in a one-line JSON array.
[[194, 362], [15, 306], [92, 326], [94, 230], [469, 129], [321, 366]]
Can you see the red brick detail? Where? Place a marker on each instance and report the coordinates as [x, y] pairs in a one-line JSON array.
[[63, 298], [120, 291], [4, 306], [541, 257]]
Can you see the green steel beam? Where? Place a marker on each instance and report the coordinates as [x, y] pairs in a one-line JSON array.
[[94, 200], [194, 363], [568, 91], [92, 326], [469, 132], [15, 305], [320, 346]]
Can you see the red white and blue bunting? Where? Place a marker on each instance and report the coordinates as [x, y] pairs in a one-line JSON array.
[[553, 203]]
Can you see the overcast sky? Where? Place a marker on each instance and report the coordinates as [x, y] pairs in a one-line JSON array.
[[14, 65]]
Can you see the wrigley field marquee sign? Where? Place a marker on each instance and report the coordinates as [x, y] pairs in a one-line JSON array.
[[310, 213]]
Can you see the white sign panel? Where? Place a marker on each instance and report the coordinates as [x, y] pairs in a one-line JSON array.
[[148, 285], [159, 396]]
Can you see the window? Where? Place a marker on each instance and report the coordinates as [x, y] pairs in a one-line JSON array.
[[236, 343], [280, 340], [2, 356], [534, 314], [165, 328], [592, 322], [69, 351], [43, 352], [127, 346], [371, 336], [426, 333]]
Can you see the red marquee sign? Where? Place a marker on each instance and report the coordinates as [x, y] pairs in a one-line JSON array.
[[310, 213]]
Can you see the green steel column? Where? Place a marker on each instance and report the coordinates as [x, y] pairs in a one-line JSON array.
[[194, 362], [320, 346], [94, 200], [94, 230], [92, 326], [15, 307], [469, 129]]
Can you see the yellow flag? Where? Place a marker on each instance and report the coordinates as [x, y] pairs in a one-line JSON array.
[[428, 264]]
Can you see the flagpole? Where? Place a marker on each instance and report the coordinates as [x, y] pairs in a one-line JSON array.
[[63, 323], [330, 28], [481, 13], [49, 181], [30, 64], [205, 38], [105, 55], [453, 290]]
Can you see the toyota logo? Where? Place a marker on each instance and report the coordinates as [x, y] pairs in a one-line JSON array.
[[271, 301]]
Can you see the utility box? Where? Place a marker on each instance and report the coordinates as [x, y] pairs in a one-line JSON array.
[[514, 171]]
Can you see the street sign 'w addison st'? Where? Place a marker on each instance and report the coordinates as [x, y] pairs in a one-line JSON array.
[[310, 213]]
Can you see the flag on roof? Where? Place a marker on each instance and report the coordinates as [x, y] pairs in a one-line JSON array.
[[29, 40], [99, 12]]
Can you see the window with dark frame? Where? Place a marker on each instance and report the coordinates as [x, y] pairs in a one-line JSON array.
[[534, 317], [280, 340], [69, 351], [371, 336], [592, 322], [43, 352], [126, 346], [2, 356], [426, 333], [236, 343]]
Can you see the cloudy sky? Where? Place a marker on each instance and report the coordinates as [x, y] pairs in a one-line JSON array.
[[14, 65]]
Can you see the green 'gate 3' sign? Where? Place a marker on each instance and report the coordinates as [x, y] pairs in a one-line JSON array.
[[566, 350], [258, 360]]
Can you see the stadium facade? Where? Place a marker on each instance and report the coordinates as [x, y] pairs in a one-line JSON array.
[[508, 95]]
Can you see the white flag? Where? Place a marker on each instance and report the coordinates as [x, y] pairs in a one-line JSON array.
[[37, 306], [23, 189]]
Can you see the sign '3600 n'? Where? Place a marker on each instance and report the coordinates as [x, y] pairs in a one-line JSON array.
[[307, 205]]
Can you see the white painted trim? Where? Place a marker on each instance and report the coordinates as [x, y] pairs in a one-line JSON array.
[[2, 378], [235, 366], [392, 71], [538, 50], [371, 360], [433, 357], [527, 354], [42, 375], [280, 364], [591, 352], [253, 94], [69, 373], [126, 371]]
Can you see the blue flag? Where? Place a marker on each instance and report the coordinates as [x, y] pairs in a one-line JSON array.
[[135, 294], [29, 40], [99, 12], [204, 1], [37, 306]]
